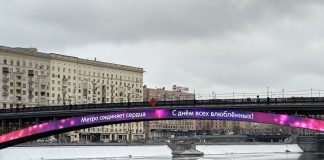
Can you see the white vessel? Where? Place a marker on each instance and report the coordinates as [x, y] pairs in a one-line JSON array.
[[188, 153]]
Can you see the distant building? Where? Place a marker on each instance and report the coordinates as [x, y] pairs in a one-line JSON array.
[[167, 128]]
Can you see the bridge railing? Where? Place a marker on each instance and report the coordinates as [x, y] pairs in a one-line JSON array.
[[246, 101]]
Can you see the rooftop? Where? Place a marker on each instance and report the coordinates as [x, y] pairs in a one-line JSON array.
[[35, 52]]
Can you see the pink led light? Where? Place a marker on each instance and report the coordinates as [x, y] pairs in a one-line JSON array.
[[296, 124], [159, 113]]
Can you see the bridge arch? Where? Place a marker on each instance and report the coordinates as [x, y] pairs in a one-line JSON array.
[[70, 124]]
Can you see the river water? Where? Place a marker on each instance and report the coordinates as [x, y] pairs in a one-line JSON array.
[[218, 152]]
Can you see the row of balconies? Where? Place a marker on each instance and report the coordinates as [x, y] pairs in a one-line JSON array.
[[5, 86], [6, 79], [5, 93]]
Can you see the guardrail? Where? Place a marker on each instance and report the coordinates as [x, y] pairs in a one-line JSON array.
[[248, 101]]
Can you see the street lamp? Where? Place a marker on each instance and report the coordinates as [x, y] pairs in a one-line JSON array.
[[130, 131], [128, 95]]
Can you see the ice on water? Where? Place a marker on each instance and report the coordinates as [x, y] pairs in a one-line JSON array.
[[142, 152]]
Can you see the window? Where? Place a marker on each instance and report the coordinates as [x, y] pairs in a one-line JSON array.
[[4, 62], [5, 70], [30, 72]]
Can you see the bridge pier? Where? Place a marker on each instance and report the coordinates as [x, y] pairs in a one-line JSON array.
[[37, 120], [20, 124], [311, 143], [4, 126]]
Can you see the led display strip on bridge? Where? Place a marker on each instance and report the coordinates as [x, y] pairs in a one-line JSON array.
[[156, 114]]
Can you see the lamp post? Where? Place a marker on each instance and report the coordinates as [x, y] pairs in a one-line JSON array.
[[130, 130], [128, 96]]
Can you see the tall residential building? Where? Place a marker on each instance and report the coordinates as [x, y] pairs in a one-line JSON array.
[[31, 78]]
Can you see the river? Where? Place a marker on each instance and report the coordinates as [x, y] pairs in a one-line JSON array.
[[162, 152]]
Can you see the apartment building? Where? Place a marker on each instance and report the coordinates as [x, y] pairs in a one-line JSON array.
[[31, 78]]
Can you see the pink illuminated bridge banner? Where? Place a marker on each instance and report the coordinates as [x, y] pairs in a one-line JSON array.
[[69, 124]]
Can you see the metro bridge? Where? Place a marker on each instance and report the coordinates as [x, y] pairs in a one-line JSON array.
[[49, 120]]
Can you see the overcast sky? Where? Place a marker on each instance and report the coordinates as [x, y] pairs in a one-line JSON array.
[[206, 45]]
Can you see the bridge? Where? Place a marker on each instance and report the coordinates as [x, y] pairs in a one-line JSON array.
[[48, 120]]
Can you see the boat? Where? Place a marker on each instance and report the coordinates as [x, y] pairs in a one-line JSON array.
[[188, 153], [184, 149]]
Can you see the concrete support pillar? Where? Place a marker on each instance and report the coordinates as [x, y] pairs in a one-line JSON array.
[[4, 126], [37, 120], [20, 124], [1, 129]]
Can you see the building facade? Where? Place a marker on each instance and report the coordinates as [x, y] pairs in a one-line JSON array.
[[167, 128], [31, 78]]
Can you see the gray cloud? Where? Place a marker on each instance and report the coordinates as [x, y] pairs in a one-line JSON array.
[[221, 45]]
